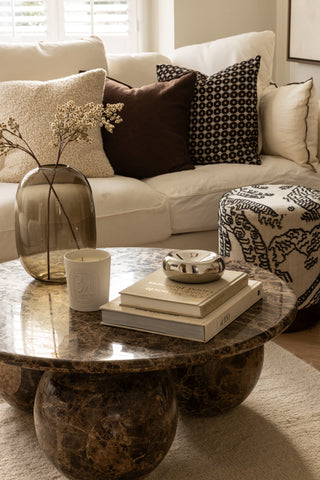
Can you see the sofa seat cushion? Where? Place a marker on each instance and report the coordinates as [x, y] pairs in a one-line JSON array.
[[129, 212], [194, 195], [7, 232]]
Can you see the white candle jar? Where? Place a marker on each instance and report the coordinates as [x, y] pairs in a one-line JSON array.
[[88, 278]]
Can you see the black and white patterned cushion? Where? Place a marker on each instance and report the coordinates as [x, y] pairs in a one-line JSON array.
[[223, 124], [276, 227]]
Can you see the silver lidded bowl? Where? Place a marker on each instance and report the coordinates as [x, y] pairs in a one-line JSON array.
[[193, 266]]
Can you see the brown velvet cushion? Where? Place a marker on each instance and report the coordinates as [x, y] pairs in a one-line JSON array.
[[153, 137]]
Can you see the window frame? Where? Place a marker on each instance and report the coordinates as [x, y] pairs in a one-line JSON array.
[[55, 30]]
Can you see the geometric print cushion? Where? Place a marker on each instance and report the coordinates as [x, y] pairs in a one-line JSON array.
[[275, 227], [223, 123]]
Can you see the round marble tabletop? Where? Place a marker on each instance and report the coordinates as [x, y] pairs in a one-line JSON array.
[[38, 330]]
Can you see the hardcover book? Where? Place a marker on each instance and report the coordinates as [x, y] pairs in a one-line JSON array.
[[159, 293], [198, 329]]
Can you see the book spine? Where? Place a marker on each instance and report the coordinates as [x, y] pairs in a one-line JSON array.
[[226, 316], [220, 299]]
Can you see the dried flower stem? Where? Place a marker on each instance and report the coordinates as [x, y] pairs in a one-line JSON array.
[[71, 124]]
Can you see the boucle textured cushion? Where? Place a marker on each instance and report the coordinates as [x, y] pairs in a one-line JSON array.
[[152, 139], [49, 60], [289, 120], [33, 105], [211, 57], [223, 124]]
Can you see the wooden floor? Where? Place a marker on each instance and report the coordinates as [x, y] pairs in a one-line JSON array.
[[304, 344]]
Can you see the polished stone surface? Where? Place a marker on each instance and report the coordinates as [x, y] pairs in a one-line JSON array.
[[104, 427], [217, 386], [18, 385], [39, 330], [105, 403]]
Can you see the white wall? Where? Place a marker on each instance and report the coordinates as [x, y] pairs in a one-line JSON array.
[[204, 20], [291, 71], [163, 20], [159, 35], [175, 23]]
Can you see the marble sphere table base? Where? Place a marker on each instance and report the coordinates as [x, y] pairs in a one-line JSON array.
[[106, 402], [123, 425], [219, 385], [94, 427], [18, 385]]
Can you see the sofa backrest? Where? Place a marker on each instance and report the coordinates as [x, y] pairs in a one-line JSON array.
[[50, 60], [135, 70], [211, 57]]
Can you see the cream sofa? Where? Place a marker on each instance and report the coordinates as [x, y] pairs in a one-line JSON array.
[[177, 209]]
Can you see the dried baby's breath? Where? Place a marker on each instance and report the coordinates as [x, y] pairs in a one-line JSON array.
[[71, 124]]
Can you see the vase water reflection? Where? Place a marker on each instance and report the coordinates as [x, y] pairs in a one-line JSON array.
[[54, 213]]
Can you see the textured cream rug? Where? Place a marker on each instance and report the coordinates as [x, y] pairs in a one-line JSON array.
[[273, 435]]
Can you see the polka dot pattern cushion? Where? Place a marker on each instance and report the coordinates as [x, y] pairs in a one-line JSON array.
[[223, 123]]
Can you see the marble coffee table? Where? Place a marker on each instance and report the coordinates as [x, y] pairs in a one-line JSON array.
[[106, 399]]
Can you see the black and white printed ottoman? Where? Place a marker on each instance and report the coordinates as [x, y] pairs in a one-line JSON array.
[[277, 227]]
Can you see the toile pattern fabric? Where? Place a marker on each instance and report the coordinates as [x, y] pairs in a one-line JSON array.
[[223, 122], [276, 227]]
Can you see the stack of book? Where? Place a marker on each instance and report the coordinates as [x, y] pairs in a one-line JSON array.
[[192, 311]]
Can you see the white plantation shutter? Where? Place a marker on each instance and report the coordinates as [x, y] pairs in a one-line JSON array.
[[96, 17], [115, 21], [21, 18]]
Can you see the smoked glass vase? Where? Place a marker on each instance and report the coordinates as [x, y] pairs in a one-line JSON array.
[[54, 213]]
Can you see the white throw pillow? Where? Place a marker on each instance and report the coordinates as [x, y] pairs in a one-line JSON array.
[[33, 105], [289, 122], [49, 60], [211, 57]]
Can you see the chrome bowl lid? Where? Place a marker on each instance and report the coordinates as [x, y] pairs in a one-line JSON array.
[[193, 266]]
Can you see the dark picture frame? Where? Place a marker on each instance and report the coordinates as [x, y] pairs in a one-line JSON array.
[[304, 31]]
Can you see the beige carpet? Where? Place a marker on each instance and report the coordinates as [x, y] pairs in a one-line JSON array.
[[273, 435]]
